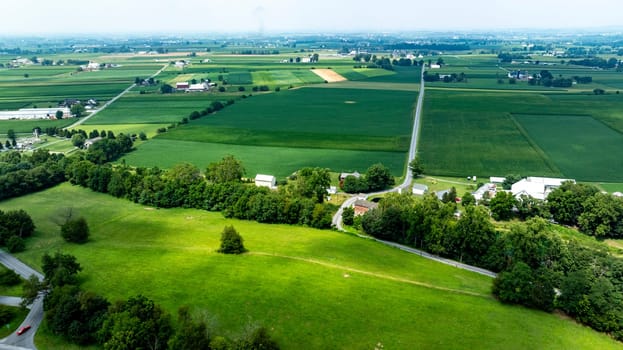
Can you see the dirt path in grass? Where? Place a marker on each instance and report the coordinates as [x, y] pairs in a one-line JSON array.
[[329, 75], [369, 273]]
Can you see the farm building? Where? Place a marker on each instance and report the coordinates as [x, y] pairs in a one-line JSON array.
[[435, 66], [182, 85], [345, 175], [487, 189], [419, 189], [262, 180], [35, 113], [497, 179], [537, 187], [88, 143], [198, 87], [362, 206]]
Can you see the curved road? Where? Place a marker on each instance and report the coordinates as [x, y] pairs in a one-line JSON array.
[[34, 317], [337, 218]]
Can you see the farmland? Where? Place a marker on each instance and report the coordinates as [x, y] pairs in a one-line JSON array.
[[483, 127], [321, 280]]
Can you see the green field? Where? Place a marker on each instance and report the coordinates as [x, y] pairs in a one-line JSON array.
[[313, 289], [278, 161], [474, 133], [134, 108], [281, 132], [585, 148]]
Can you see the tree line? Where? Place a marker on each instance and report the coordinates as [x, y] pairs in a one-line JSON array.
[[537, 268]]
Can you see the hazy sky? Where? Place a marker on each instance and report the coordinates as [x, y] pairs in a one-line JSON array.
[[210, 16]]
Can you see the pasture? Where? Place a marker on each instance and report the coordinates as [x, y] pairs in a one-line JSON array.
[[312, 289]]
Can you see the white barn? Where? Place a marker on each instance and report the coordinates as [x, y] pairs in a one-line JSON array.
[[35, 113], [419, 189], [262, 180]]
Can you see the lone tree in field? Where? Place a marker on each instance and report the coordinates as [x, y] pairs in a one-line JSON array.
[[231, 241], [75, 230]]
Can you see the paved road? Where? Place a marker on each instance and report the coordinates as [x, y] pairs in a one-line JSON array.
[[34, 317], [82, 120], [337, 218]]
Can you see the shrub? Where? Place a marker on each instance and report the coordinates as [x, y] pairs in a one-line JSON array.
[[75, 230], [15, 244], [231, 241], [6, 314], [9, 278], [348, 216]]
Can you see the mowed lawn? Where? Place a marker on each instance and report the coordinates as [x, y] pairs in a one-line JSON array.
[[579, 145], [312, 289]]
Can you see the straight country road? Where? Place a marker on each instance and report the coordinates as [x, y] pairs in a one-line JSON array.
[[337, 218]]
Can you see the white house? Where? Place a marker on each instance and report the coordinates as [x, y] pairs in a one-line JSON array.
[[537, 187], [262, 180], [182, 85], [419, 189], [435, 66]]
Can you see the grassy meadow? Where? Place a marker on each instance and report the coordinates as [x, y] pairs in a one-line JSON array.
[[313, 289]]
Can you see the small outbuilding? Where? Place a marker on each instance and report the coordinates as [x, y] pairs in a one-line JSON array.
[[362, 206], [262, 180], [419, 189]]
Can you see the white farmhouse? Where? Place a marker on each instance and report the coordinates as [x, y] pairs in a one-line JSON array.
[[262, 180], [537, 187]]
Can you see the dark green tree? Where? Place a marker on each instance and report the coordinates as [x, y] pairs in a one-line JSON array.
[[77, 110], [348, 216], [312, 183], [378, 177], [191, 334], [502, 205], [416, 167], [137, 323], [75, 230], [60, 269], [229, 169], [231, 241]]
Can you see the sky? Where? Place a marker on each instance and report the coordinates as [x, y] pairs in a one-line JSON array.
[[273, 16]]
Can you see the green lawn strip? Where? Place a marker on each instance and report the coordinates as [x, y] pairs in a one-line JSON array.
[[298, 282], [278, 161], [26, 126], [235, 136]]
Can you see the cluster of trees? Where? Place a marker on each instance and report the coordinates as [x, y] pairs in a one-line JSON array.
[[87, 318], [596, 62], [448, 78], [21, 174], [11, 141], [254, 52], [537, 268], [15, 225], [220, 190], [509, 57], [378, 177], [547, 79]]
